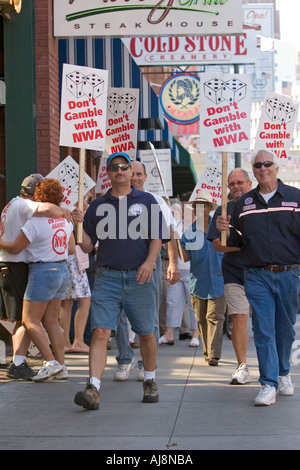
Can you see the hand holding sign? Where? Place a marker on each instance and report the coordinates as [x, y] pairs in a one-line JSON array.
[[83, 115]]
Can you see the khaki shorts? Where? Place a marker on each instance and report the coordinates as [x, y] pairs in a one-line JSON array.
[[236, 300]]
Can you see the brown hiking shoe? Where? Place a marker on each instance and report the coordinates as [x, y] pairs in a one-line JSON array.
[[150, 391], [89, 398]]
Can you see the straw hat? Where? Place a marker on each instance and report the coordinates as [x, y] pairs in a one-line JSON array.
[[201, 198]]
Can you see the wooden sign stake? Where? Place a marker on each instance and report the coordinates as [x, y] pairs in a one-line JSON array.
[[224, 193], [79, 231]]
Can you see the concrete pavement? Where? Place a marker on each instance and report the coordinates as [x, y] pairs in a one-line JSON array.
[[198, 409]]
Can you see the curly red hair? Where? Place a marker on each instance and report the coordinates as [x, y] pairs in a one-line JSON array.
[[49, 190]]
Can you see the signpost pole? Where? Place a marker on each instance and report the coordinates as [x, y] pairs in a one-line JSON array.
[[168, 200], [224, 193], [80, 192]]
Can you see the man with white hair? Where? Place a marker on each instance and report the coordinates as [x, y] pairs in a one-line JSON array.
[[266, 225]]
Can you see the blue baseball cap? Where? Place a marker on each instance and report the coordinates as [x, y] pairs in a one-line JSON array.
[[118, 154]]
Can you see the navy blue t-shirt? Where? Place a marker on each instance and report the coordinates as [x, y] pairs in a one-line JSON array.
[[233, 272], [124, 228]]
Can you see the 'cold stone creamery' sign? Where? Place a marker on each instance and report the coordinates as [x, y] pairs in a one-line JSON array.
[[121, 18], [192, 50]]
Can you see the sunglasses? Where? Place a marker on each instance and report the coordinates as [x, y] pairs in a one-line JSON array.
[[115, 166], [265, 164], [237, 183]]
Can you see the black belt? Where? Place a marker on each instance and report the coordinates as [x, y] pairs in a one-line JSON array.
[[121, 270], [278, 269]]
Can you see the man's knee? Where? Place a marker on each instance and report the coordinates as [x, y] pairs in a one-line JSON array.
[[101, 334]]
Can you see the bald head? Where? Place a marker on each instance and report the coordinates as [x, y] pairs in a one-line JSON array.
[[139, 175]]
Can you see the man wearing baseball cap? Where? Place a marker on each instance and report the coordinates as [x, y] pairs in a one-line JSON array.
[[124, 280], [14, 268]]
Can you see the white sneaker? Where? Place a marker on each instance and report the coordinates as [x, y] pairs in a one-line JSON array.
[[48, 370], [285, 386], [241, 375], [123, 370], [63, 375], [266, 396], [141, 372]]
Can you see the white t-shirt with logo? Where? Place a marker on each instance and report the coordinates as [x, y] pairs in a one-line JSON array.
[[48, 238], [13, 217]]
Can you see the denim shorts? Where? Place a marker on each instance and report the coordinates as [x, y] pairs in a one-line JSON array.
[[116, 290], [46, 281]]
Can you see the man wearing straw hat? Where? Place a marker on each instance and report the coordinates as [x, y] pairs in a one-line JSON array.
[[206, 280]]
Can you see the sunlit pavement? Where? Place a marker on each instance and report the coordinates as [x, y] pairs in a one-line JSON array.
[[197, 409]]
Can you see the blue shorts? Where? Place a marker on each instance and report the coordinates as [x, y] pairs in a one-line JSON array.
[[47, 281], [116, 290]]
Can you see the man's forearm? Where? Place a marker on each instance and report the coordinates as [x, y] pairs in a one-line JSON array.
[[172, 250], [86, 244], [46, 209]]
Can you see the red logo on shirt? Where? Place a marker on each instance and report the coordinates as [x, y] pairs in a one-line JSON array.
[[59, 242]]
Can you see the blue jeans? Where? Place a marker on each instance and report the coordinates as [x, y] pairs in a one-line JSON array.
[[115, 291], [274, 300], [47, 281], [126, 353]]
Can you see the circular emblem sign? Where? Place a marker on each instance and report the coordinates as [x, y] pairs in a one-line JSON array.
[[180, 98]]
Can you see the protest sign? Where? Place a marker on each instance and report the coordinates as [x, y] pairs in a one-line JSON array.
[[83, 115], [225, 119], [83, 107], [225, 112], [276, 125], [122, 121], [103, 182], [67, 172], [211, 181], [153, 182]]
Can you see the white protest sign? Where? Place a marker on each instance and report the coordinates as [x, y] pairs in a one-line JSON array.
[[103, 182], [211, 181], [225, 112], [10, 326], [153, 181], [67, 172], [122, 121], [83, 107], [276, 125]]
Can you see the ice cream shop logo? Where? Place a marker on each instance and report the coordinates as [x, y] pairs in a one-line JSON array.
[[180, 98]]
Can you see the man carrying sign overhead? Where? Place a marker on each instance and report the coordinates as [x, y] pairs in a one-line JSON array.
[[129, 227]]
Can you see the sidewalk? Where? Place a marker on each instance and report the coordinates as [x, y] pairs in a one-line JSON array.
[[198, 409]]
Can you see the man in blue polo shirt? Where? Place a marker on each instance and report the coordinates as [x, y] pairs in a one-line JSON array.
[[129, 227], [206, 280], [268, 219]]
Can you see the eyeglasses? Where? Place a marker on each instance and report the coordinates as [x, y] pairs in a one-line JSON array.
[[116, 166], [265, 164], [237, 183]]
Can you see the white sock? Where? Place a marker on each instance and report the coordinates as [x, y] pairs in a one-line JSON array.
[[96, 382], [149, 375], [18, 360]]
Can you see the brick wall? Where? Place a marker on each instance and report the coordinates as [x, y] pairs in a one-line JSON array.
[[47, 88]]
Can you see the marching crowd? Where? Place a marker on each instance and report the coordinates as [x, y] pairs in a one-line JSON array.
[[153, 272]]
